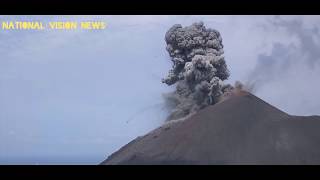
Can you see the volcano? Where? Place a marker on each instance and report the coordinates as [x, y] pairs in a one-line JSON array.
[[241, 129]]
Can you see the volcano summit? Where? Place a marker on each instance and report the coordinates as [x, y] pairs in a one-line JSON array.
[[242, 129]]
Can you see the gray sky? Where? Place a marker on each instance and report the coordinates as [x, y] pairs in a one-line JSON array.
[[74, 97]]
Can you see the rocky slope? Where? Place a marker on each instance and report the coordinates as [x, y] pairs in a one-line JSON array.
[[242, 129]]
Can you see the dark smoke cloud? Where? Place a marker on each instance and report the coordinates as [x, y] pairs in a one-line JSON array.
[[198, 70]]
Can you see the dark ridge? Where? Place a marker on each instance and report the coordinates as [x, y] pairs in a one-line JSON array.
[[242, 129]]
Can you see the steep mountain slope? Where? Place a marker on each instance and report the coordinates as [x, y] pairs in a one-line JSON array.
[[242, 129]]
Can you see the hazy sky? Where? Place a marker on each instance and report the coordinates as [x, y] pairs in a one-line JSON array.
[[77, 96]]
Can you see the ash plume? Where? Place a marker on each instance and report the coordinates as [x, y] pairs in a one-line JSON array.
[[198, 70]]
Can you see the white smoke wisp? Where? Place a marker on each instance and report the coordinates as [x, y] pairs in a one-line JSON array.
[[198, 70]]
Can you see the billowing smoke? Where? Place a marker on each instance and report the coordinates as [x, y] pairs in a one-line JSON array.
[[198, 70]]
